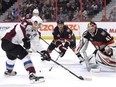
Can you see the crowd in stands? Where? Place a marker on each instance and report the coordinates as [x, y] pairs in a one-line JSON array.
[[5, 4], [47, 9], [112, 16], [67, 10], [12, 16]]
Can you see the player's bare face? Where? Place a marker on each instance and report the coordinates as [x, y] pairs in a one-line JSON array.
[[60, 27], [35, 25]]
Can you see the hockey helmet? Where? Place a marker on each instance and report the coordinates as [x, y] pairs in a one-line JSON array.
[[36, 11], [60, 22]]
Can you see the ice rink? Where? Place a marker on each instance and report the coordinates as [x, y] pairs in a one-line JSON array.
[[58, 76]]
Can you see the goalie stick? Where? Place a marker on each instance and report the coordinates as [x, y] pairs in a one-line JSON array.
[[79, 77]]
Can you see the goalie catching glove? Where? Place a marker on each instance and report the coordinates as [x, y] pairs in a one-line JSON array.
[[45, 55]]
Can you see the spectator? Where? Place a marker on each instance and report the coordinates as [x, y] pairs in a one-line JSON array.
[[84, 14], [76, 16], [112, 16], [15, 13], [9, 17]]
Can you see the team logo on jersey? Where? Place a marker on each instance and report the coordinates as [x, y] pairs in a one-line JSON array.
[[103, 33]]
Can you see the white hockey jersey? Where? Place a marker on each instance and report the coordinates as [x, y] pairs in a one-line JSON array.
[[22, 30]]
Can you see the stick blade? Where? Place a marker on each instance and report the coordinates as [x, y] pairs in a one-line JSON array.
[[88, 79], [50, 69]]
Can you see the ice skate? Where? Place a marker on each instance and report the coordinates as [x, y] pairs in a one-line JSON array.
[[36, 79], [8, 73]]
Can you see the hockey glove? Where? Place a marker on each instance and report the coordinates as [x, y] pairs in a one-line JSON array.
[[26, 44], [63, 50], [45, 55], [66, 44]]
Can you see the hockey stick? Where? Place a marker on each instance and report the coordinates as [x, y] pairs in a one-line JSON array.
[[55, 60], [79, 77], [53, 65], [49, 44]]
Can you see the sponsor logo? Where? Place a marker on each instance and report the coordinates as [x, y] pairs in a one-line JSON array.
[[112, 30], [4, 28], [50, 27]]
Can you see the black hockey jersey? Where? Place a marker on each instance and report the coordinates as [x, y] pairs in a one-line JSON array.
[[65, 34], [100, 39]]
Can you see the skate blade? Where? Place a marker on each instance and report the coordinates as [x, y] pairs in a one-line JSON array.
[[9, 75], [38, 81]]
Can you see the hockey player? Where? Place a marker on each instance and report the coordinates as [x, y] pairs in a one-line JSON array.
[[35, 15], [11, 44], [104, 44], [35, 36], [63, 38]]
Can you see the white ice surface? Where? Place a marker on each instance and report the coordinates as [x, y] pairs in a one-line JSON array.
[[58, 76]]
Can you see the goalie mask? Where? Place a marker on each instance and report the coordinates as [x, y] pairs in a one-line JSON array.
[[92, 27]]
